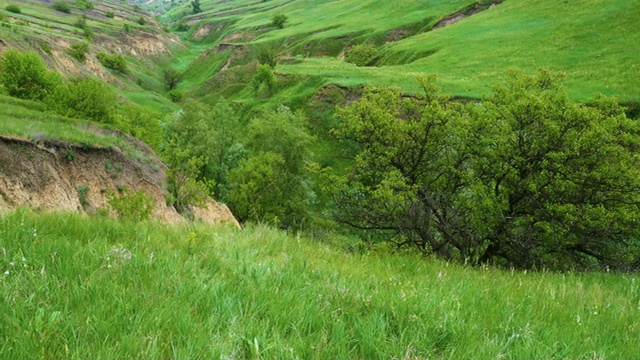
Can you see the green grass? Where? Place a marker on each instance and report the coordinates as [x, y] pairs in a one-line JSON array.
[[76, 288], [594, 46], [29, 120]]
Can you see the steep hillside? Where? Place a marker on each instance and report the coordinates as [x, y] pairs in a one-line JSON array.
[[468, 44], [109, 26]]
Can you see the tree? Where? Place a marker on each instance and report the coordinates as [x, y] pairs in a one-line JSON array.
[[279, 20], [264, 76], [195, 4], [172, 78], [271, 185], [525, 178], [24, 75]]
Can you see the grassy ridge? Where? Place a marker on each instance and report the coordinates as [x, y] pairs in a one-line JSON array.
[[78, 287], [592, 41]]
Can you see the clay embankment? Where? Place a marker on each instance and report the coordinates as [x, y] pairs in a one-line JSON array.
[[62, 177]]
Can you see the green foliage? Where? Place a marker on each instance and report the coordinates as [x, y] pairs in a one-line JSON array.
[[525, 178], [83, 5], [45, 47], [110, 14], [172, 78], [12, 8], [264, 76], [141, 20], [272, 184], [279, 20], [185, 189], [195, 5], [129, 206], [83, 196], [144, 124], [361, 55], [175, 95], [87, 98], [78, 51], [113, 61], [268, 56], [24, 75], [127, 28], [62, 6]]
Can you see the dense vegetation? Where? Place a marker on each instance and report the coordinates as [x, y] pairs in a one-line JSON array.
[[387, 213]]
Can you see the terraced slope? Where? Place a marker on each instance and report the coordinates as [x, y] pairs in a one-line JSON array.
[[593, 41]]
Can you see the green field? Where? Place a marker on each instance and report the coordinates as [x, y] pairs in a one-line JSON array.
[[79, 287], [591, 41]]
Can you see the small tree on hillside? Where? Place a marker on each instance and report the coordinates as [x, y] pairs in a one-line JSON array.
[[172, 78], [279, 20], [195, 4]]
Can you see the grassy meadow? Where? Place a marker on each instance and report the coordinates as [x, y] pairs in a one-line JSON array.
[[88, 287]]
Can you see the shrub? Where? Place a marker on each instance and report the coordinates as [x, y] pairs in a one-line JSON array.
[[361, 55], [114, 62], [110, 14], [136, 206], [62, 7], [45, 47], [84, 5], [13, 8], [83, 196], [141, 20], [279, 20], [78, 51], [175, 95], [87, 98], [24, 75]]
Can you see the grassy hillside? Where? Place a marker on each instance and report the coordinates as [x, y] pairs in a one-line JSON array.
[[109, 26], [592, 41], [76, 287]]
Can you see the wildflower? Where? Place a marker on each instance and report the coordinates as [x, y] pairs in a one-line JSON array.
[[6, 273]]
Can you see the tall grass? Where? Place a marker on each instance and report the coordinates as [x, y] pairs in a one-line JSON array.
[[76, 287]]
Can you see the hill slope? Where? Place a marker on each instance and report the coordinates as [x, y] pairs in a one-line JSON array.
[[592, 41], [78, 288]]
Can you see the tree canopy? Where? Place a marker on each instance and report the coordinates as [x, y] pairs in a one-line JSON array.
[[524, 178]]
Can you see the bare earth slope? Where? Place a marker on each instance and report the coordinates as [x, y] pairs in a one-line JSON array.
[[63, 177]]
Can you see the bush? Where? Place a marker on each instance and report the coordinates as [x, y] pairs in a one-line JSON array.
[[175, 95], [141, 20], [45, 47], [78, 51], [279, 20], [84, 5], [13, 8], [24, 75], [62, 7], [114, 62], [110, 14], [361, 55], [136, 206], [85, 99]]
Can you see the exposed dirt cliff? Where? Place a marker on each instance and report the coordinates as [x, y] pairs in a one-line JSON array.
[[67, 177]]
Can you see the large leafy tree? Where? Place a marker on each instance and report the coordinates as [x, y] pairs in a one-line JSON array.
[[272, 184], [525, 178]]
